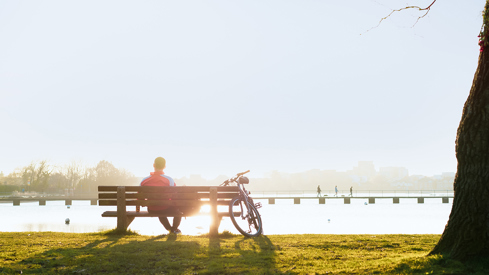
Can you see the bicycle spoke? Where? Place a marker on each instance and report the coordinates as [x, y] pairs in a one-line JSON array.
[[249, 223]]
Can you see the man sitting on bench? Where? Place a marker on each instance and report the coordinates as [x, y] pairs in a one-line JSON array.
[[158, 178]]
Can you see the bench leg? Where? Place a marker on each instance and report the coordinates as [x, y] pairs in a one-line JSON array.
[[122, 220], [129, 221], [219, 219], [123, 223], [216, 221]]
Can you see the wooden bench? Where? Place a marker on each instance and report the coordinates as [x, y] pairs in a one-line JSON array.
[[185, 201]]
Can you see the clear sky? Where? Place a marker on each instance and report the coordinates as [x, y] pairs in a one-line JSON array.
[[218, 87]]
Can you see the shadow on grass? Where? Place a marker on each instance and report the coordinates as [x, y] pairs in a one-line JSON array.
[[111, 252], [261, 247], [250, 255], [114, 253], [441, 264]]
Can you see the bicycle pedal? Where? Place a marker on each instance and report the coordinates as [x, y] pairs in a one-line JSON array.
[[258, 205]]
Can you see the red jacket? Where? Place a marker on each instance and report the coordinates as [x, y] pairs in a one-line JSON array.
[[158, 178]]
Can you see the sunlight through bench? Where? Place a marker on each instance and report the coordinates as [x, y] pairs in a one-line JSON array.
[[185, 201]]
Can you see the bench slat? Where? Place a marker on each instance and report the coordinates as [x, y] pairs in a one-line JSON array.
[[155, 203], [114, 195], [169, 189], [169, 214], [167, 195], [162, 202], [184, 195], [154, 196]]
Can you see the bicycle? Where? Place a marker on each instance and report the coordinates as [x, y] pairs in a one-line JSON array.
[[242, 210]]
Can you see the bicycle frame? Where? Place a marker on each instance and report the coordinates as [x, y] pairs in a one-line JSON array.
[[243, 193], [248, 212]]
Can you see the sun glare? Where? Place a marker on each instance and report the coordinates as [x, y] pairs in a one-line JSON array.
[[205, 209]]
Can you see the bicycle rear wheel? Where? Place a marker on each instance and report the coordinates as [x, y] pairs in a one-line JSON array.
[[245, 217]]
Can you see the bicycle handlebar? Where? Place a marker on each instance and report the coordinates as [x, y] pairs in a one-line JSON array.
[[226, 182], [242, 173]]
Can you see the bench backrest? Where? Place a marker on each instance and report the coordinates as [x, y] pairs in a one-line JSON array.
[[190, 196]]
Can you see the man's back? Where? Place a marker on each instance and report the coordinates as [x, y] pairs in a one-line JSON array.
[[157, 179]]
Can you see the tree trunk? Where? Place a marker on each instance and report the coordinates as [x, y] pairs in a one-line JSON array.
[[466, 234]]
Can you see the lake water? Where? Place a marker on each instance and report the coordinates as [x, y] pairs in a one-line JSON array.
[[283, 217]]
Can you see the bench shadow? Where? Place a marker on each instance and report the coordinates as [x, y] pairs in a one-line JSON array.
[[162, 254], [255, 255], [115, 254], [260, 252]]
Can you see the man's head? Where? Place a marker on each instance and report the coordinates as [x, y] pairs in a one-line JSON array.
[[160, 163]]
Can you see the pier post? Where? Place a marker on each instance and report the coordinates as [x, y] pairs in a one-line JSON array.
[[68, 202], [420, 200], [93, 202], [444, 200], [347, 200], [371, 200], [16, 202], [271, 201], [395, 200], [42, 202], [322, 200], [297, 200]]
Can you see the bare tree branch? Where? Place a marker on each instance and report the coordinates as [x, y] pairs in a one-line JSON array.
[[427, 9]]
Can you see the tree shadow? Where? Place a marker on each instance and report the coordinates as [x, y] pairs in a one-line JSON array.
[[441, 264]]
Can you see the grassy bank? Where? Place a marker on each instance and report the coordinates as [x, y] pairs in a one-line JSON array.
[[49, 252]]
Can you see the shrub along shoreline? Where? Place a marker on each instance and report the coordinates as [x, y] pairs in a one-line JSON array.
[[107, 252]]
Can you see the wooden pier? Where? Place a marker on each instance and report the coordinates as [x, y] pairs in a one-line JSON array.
[[271, 200], [42, 200], [347, 200]]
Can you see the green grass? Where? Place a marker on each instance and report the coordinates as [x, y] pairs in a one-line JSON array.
[[111, 253]]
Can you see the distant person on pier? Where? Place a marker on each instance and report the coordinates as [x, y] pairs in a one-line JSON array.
[[319, 191], [158, 178], [336, 190], [351, 191]]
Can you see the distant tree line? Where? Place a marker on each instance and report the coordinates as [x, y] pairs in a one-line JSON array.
[[72, 178], [76, 178], [328, 179]]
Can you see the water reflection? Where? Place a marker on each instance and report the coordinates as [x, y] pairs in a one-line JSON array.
[[284, 217]]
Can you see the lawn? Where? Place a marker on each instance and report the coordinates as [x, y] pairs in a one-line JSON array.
[[109, 253]]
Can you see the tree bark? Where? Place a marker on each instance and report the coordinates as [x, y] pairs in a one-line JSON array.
[[466, 234]]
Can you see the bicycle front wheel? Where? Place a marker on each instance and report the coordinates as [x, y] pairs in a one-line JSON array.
[[245, 217]]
